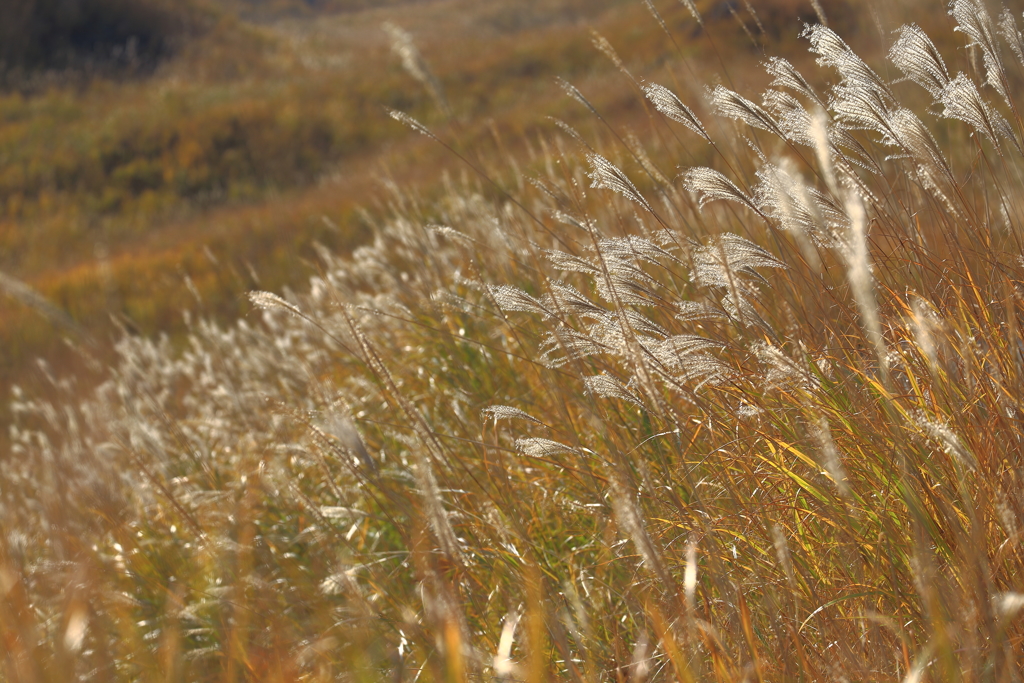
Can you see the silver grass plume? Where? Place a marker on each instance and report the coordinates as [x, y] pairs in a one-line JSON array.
[[862, 109], [739, 304], [634, 247], [753, 15], [608, 328], [606, 175], [347, 436], [914, 138], [657, 16], [783, 554], [602, 44], [607, 386], [508, 413], [721, 263], [632, 287], [858, 272], [1008, 30], [782, 195], [946, 438], [703, 369], [639, 323], [785, 75], [793, 119], [630, 520], [509, 298], [781, 371], [536, 447], [670, 105], [734, 106], [834, 53], [692, 9], [623, 282], [861, 100], [973, 19], [916, 56], [690, 576], [926, 326], [404, 118], [571, 132], [639, 151], [1008, 604], [709, 185], [574, 92], [404, 48], [697, 311], [962, 101], [828, 456], [716, 263], [503, 666], [437, 515], [819, 11], [565, 261], [564, 345], [25, 294], [450, 233], [426, 480], [571, 300], [585, 225], [677, 352], [269, 301], [823, 148]]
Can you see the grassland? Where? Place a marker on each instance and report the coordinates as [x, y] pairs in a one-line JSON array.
[[222, 165], [716, 380]]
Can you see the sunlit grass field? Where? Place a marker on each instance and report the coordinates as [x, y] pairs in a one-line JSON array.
[[700, 362], [114, 190]]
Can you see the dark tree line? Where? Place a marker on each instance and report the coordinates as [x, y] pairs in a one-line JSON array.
[[63, 34]]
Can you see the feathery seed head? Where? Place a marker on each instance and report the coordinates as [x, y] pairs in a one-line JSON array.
[[536, 447], [269, 301], [405, 49], [509, 298], [717, 263], [692, 9], [734, 106], [709, 185], [940, 433], [573, 92], [604, 174], [962, 101], [404, 118], [507, 413], [670, 105], [607, 386], [1008, 30], [974, 21], [792, 118], [916, 56], [602, 44], [819, 133], [569, 298], [565, 261], [785, 75]]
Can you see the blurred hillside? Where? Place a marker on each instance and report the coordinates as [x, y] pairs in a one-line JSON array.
[[159, 156]]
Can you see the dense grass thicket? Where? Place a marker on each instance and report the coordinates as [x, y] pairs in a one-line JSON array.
[[740, 401]]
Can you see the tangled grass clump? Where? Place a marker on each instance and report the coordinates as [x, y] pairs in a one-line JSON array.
[[760, 422]]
